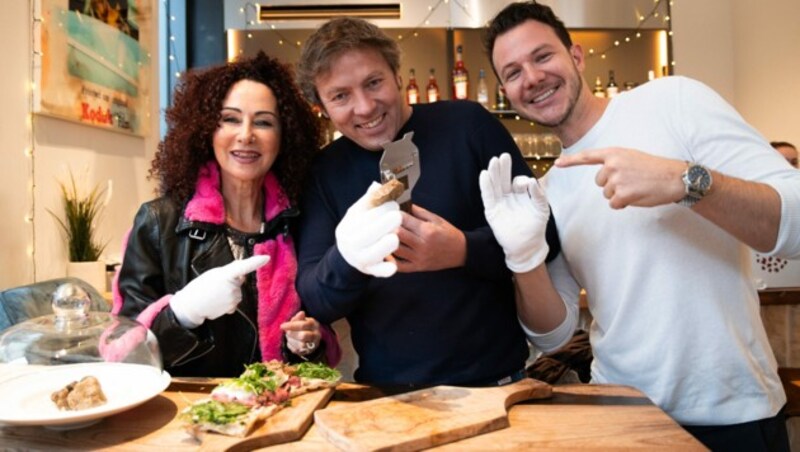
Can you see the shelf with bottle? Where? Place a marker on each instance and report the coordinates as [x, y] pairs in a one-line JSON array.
[[460, 78], [412, 90], [612, 89], [432, 89], [482, 93], [501, 108]]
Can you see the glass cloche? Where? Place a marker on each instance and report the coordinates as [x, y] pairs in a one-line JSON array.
[[73, 335]]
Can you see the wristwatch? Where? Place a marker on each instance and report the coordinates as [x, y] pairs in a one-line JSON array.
[[697, 181]]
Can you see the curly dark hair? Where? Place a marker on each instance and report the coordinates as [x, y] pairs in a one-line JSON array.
[[195, 116]]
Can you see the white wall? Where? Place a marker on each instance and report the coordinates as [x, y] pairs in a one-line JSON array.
[[748, 52], [59, 145], [703, 43], [767, 66], [16, 266]]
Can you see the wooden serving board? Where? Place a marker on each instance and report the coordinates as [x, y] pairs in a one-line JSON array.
[[288, 424], [425, 418]]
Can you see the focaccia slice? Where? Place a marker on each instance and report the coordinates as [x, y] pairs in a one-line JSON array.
[[389, 191], [254, 386], [227, 418], [307, 377], [262, 390]]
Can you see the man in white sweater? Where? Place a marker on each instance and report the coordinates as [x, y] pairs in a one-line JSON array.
[[657, 196]]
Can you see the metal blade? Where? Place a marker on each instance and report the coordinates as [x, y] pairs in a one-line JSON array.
[[400, 161]]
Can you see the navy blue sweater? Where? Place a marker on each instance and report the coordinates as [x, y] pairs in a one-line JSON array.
[[454, 326]]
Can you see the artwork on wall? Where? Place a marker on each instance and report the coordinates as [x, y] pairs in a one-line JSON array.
[[94, 62]]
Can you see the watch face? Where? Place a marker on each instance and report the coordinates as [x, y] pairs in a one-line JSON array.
[[699, 178]]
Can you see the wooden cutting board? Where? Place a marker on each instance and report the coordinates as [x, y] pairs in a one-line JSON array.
[[425, 418], [288, 424]]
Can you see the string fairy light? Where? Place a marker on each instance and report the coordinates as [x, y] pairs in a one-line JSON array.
[[172, 31], [30, 149], [426, 20], [636, 34]]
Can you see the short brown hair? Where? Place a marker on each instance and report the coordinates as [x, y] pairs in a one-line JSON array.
[[779, 144], [331, 40], [519, 13]]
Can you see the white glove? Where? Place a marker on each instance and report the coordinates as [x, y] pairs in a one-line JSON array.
[[214, 293], [367, 235], [517, 212]]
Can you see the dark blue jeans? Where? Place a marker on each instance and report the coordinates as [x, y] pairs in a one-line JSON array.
[[763, 435]]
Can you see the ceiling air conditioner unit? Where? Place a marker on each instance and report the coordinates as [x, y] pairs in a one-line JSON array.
[[310, 14], [271, 13]]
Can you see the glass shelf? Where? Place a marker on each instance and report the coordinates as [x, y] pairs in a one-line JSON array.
[[505, 114], [539, 157]]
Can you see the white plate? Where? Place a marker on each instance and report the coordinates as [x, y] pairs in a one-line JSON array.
[[26, 398]]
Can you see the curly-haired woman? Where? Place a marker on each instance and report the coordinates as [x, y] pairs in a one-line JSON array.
[[210, 265]]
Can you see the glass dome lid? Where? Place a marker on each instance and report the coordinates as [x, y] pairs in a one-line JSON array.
[[74, 335]]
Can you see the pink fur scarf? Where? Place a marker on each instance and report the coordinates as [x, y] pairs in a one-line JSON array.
[[278, 300]]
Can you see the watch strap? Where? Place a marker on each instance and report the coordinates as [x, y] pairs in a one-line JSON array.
[[694, 189]]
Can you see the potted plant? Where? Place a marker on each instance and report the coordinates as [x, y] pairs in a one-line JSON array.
[[81, 212]]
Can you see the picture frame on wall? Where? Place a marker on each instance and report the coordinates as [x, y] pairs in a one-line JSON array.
[[94, 62]]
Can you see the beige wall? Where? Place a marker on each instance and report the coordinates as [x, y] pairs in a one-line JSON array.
[[59, 145], [15, 201], [767, 66], [748, 52]]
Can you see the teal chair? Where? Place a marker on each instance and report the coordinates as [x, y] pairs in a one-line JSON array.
[[19, 304]]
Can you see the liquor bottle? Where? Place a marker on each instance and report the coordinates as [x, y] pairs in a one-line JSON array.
[[483, 91], [611, 89], [412, 90], [500, 98], [433, 88], [460, 77], [598, 90]]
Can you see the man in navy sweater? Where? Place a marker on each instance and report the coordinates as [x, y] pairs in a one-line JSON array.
[[426, 293]]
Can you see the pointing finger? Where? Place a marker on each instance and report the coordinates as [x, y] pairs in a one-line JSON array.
[[581, 158], [245, 266]]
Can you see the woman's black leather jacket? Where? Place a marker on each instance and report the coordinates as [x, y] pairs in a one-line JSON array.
[[164, 252]]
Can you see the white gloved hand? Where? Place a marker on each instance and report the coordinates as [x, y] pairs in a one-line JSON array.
[[517, 212], [214, 293], [367, 235]]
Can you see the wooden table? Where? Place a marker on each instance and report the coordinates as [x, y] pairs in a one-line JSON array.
[[780, 296], [577, 417]]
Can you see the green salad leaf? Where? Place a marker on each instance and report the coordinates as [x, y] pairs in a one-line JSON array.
[[256, 370], [256, 378], [317, 370], [215, 412]]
